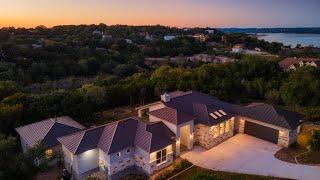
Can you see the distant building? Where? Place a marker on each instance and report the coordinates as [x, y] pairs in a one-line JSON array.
[[294, 63], [238, 48], [223, 39], [257, 49], [97, 32], [36, 46], [194, 58], [210, 31], [200, 37], [149, 37], [129, 41], [169, 37], [106, 36]]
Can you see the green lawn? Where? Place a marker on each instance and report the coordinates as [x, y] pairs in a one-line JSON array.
[[197, 173]]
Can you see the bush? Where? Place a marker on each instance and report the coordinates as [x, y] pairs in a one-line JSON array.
[[303, 139], [314, 142], [203, 176], [182, 165]]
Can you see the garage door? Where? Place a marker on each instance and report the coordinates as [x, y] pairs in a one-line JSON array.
[[262, 132]]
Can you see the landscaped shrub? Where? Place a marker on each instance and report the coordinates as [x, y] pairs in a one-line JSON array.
[[203, 176], [315, 141], [303, 139], [182, 165]]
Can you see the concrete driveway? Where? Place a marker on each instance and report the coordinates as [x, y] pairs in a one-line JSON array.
[[246, 154]]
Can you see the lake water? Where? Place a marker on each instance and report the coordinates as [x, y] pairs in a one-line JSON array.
[[292, 39]]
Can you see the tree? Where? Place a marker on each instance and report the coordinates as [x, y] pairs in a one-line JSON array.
[[9, 116], [8, 145], [315, 141], [7, 88], [95, 93], [301, 88]]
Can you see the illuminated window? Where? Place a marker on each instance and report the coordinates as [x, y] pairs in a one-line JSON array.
[[161, 156], [222, 125], [228, 126], [48, 153]]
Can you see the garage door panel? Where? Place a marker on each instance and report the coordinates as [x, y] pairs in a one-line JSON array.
[[262, 132]]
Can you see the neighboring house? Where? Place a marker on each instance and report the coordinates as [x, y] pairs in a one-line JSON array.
[[97, 32], [238, 48], [210, 31], [198, 118], [129, 41], [169, 37], [200, 37], [148, 37], [294, 63], [194, 58], [46, 132], [116, 146]]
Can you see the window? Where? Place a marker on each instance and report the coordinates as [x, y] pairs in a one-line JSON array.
[[118, 154], [222, 128], [228, 126], [128, 150], [161, 156], [48, 153]]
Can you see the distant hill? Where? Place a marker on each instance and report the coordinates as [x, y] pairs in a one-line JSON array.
[[272, 30]]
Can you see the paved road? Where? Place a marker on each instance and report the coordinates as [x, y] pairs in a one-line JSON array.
[[246, 154]]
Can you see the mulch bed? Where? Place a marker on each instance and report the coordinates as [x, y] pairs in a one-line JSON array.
[[288, 154]]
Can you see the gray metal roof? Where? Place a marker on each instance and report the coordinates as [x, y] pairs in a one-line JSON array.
[[200, 105], [47, 131], [119, 135], [274, 115], [172, 115]]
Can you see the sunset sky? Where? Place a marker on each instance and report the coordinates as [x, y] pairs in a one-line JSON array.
[[181, 13]]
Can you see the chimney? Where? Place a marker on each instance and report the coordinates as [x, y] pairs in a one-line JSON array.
[[165, 97]]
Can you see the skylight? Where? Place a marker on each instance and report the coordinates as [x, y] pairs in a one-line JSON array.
[[222, 112], [214, 116], [217, 113]]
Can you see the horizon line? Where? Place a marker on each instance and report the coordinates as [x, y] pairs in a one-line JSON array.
[[180, 27]]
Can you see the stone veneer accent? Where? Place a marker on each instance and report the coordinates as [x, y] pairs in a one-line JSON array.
[[204, 136], [287, 137], [121, 165]]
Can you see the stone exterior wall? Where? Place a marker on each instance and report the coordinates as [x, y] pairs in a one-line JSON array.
[[239, 124], [205, 136], [287, 137], [121, 165]]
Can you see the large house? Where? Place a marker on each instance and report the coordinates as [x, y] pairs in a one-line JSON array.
[[198, 118], [294, 63], [176, 123]]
